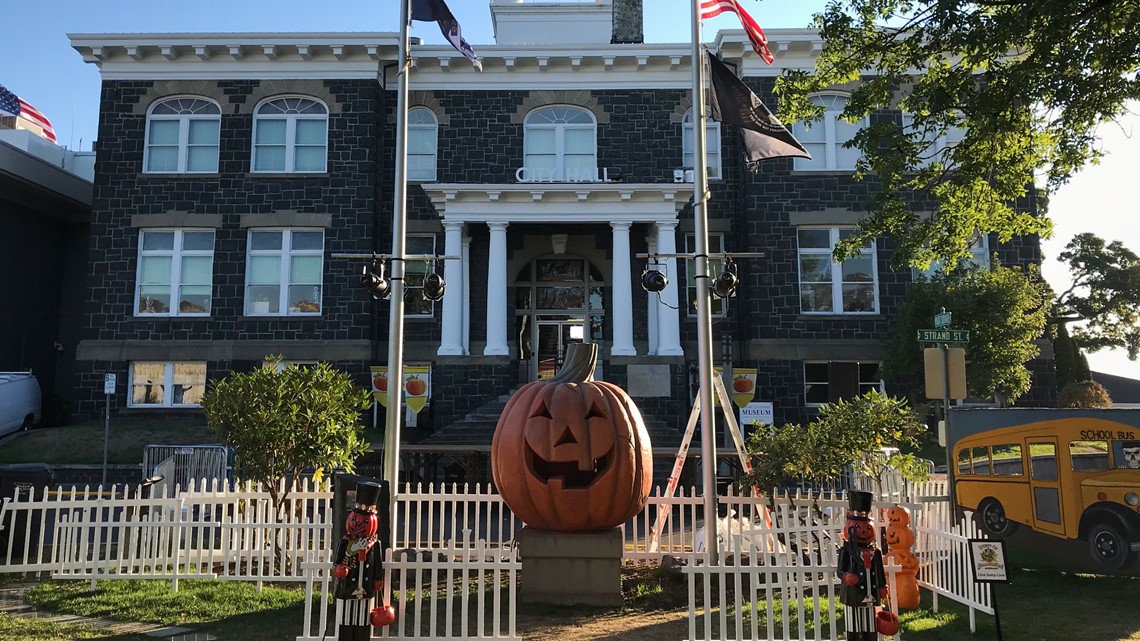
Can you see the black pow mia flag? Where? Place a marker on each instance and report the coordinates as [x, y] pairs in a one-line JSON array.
[[731, 101]]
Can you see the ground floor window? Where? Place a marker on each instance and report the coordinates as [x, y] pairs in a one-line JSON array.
[[156, 384], [827, 382]]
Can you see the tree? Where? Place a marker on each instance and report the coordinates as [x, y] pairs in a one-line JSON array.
[[281, 421], [847, 433], [1084, 394], [1003, 308], [1028, 81], [1105, 294], [1068, 360]]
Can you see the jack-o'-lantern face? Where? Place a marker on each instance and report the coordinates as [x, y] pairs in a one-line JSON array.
[[569, 439], [899, 537], [898, 515], [360, 524], [862, 532]]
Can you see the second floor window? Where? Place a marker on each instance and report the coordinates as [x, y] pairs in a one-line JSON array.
[[938, 148], [290, 135], [423, 133], [560, 144], [175, 272], [712, 144], [825, 138], [284, 272], [182, 136], [979, 259], [828, 287]]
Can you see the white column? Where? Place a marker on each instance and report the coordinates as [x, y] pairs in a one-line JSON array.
[[651, 299], [466, 294], [622, 316], [668, 311], [497, 292], [451, 336]]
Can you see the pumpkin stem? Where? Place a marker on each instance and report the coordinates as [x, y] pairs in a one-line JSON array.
[[579, 364]]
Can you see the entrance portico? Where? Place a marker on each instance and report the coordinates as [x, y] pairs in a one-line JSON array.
[[619, 206]]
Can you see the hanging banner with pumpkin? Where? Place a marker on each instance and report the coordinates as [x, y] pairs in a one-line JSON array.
[[743, 387], [571, 454], [416, 385]]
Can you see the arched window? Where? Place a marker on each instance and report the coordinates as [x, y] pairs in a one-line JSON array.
[[712, 144], [824, 138], [290, 135], [182, 136], [560, 144], [423, 133]]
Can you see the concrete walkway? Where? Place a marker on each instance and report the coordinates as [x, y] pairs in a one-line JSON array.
[[12, 602]]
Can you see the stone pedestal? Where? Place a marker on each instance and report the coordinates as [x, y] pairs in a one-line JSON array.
[[564, 568]]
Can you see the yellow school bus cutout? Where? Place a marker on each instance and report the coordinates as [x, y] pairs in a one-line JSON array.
[[1070, 477]]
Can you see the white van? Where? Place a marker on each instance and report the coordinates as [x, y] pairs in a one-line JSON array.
[[20, 406]]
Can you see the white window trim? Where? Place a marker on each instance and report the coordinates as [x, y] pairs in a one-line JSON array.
[[283, 283], [712, 145], [560, 141], [882, 386], [183, 134], [939, 147], [433, 128], [836, 274], [416, 289], [979, 258], [716, 245], [290, 137], [831, 145], [176, 255], [167, 384]]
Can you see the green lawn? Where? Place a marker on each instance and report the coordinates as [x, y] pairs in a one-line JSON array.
[[82, 444], [1035, 606]]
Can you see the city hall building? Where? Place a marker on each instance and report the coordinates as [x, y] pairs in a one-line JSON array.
[[234, 168]]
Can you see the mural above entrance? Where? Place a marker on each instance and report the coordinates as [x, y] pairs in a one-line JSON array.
[[560, 269]]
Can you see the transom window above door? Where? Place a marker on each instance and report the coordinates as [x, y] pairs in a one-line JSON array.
[[182, 136], [290, 135], [559, 144]]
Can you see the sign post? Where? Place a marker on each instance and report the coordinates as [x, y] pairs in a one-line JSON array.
[[108, 391], [987, 560], [944, 337]]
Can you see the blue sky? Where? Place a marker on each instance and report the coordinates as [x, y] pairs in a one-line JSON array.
[[38, 64]]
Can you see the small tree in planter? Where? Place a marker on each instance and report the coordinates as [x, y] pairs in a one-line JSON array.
[[847, 433], [281, 421]]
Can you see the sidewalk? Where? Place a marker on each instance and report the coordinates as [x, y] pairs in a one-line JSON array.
[[12, 603]]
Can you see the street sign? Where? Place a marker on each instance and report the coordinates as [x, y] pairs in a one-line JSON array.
[[943, 336], [942, 320], [109, 384]]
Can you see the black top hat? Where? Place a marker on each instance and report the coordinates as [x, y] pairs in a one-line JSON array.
[[859, 501], [367, 493]]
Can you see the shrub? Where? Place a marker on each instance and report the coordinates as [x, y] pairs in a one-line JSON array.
[[1084, 394]]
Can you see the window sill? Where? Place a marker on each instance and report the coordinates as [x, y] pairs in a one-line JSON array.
[[840, 315], [272, 317], [822, 172], [178, 174], [170, 317], [281, 174]]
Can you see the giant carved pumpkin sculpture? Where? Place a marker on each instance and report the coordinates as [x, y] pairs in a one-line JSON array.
[[571, 454]]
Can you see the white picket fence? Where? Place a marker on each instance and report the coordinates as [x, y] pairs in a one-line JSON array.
[[944, 565], [457, 590]]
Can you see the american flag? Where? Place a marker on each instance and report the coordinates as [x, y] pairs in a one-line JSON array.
[[12, 105], [713, 8]]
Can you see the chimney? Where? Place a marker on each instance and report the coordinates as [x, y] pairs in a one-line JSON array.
[[628, 24]]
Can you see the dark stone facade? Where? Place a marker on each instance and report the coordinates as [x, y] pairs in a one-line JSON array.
[[481, 142]]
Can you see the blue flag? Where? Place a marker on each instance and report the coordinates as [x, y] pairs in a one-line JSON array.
[[437, 11]]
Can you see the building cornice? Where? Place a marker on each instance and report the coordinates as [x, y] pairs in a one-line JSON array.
[[558, 202], [223, 56]]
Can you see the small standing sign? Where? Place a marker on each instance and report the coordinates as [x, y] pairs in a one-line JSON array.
[[109, 384], [987, 560], [109, 381]]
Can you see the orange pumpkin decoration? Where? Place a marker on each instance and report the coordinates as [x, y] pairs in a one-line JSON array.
[[899, 537], [571, 454], [898, 515]]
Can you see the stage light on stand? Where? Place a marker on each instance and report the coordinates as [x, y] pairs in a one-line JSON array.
[[652, 280], [374, 282], [725, 284]]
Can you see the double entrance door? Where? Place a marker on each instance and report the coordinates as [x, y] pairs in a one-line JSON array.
[[558, 301], [554, 335]]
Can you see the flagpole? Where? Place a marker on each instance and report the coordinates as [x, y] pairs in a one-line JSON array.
[[704, 312], [396, 303]]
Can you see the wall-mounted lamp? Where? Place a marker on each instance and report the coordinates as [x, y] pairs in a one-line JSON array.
[[725, 284], [374, 281]]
